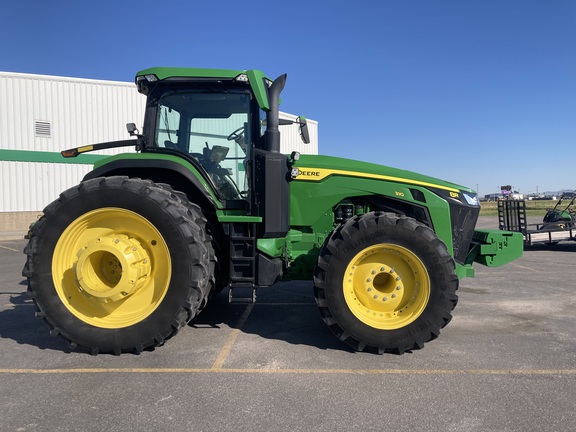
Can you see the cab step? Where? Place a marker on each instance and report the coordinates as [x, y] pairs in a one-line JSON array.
[[239, 294]]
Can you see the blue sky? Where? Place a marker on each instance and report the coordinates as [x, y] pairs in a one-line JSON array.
[[479, 92]]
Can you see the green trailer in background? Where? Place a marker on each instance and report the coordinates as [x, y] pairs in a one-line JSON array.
[[558, 224], [122, 261]]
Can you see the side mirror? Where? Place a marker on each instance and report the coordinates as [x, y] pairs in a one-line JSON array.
[[304, 134], [301, 120], [132, 129]]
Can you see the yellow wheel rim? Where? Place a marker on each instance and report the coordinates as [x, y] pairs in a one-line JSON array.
[[386, 286], [111, 268]]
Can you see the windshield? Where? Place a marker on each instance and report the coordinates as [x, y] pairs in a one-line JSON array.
[[213, 128]]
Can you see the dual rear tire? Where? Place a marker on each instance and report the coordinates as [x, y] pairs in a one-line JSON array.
[[119, 264]]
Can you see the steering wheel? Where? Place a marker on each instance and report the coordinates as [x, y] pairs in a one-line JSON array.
[[236, 135]]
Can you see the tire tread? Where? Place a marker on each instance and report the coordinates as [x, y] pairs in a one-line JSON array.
[[350, 230], [190, 223]]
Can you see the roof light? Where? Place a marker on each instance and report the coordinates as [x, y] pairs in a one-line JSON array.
[[149, 77], [242, 78]]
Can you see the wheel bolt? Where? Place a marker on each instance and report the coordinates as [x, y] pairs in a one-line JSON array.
[[393, 295], [373, 271], [376, 296], [397, 288]]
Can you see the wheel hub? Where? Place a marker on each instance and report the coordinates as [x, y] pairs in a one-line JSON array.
[[112, 268], [386, 286]]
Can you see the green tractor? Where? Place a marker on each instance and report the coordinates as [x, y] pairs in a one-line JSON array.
[[122, 261]]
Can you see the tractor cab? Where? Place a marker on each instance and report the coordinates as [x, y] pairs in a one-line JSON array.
[[217, 130], [215, 124], [218, 121]]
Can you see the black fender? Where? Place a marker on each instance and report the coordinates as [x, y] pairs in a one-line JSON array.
[[162, 171]]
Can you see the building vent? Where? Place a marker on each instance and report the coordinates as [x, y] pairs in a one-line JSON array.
[[43, 129]]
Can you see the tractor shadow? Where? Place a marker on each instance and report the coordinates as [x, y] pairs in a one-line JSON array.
[[19, 323], [285, 312]]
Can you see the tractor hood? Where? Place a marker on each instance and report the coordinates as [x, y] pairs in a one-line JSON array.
[[317, 168]]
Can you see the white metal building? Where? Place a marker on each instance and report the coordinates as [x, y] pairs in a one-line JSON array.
[[42, 115]]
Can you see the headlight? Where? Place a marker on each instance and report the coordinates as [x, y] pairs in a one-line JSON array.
[[471, 199]]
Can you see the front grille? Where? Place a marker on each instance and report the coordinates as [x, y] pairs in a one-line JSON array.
[[463, 223]]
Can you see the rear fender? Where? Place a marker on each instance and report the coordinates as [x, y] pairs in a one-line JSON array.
[[180, 174]]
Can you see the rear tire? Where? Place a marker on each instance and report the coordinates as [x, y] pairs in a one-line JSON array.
[[117, 265], [385, 283], [217, 278]]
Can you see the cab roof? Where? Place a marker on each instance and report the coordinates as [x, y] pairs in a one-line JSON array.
[[256, 78], [163, 73]]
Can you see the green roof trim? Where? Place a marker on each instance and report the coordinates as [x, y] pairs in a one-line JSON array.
[[47, 157], [172, 72], [255, 78]]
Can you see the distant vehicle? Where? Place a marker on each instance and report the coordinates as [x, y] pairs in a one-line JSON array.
[[560, 219], [558, 224], [493, 197]]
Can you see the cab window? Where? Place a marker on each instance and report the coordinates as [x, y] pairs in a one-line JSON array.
[[212, 127]]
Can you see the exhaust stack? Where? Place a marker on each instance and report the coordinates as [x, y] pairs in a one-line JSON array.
[[273, 117]]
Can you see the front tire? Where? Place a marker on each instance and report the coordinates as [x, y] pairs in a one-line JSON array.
[[385, 283], [117, 265]]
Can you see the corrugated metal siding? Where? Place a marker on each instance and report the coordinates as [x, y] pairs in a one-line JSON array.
[[31, 186], [79, 111]]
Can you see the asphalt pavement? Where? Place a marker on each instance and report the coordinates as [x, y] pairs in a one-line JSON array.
[[506, 362]]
